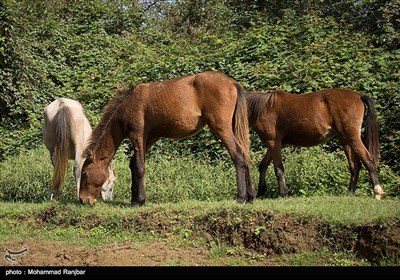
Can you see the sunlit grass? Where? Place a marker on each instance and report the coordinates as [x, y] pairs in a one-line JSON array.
[[175, 178], [332, 209]]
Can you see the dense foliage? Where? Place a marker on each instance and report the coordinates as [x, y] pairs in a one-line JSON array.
[[85, 50]]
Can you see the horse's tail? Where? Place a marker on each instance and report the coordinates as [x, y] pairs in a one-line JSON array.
[[62, 123], [371, 137], [241, 122]]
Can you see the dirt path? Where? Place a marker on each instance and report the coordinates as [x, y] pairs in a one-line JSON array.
[[157, 253]]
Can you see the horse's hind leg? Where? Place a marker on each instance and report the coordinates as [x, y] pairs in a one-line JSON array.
[[366, 158], [55, 187], [354, 167], [262, 168], [243, 176], [49, 141]]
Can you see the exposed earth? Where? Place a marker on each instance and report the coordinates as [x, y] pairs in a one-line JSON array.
[[157, 253]]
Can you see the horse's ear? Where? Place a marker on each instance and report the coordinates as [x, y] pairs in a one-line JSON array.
[[88, 154], [111, 168]]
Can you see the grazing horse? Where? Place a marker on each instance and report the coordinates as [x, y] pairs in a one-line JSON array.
[[66, 132], [280, 118], [174, 109]]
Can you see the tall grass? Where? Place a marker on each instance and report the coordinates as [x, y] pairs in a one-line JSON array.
[[173, 177], [27, 177]]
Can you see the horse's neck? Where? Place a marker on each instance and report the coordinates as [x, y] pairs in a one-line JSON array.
[[109, 141]]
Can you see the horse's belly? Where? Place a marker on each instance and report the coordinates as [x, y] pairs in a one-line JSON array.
[[308, 138], [182, 127]]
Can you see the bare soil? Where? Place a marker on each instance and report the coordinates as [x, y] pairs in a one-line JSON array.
[[58, 254]]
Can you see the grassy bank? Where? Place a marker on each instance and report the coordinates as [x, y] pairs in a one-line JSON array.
[[290, 231]]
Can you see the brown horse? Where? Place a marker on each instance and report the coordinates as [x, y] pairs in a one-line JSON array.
[[306, 120], [175, 109]]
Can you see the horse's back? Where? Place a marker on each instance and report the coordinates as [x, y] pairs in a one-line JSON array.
[[328, 102], [204, 85], [180, 107], [51, 110], [79, 127], [213, 83]]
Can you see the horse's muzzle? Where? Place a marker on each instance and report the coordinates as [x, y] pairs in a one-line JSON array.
[[87, 200]]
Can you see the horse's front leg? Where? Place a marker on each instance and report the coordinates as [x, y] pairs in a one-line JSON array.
[[278, 166], [262, 168], [354, 167], [137, 167]]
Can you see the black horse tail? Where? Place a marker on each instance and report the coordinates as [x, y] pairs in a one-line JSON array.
[[241, 123], [62, 123], [371, 137]]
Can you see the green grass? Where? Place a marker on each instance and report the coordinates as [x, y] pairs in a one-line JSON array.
[[337, 209], [171, 177], [331, 209]]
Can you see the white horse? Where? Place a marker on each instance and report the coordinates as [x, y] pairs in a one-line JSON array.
[[66, 132]]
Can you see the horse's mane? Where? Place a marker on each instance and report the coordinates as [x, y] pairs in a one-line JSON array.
[[108, 114], [258, 101]]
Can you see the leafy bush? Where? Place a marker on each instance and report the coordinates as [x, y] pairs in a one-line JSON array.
[[86, 49]]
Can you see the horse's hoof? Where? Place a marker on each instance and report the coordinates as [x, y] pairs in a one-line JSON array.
[[240, 200], [250, 197], [260, 195], [351, 193], [378, 191], [378, 196], [250, 200], [136, 204]]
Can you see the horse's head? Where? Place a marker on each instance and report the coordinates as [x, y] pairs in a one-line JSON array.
[[95, 178]]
